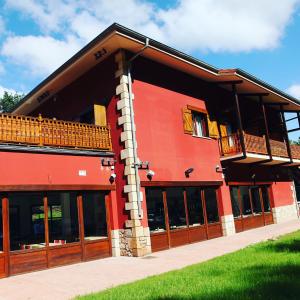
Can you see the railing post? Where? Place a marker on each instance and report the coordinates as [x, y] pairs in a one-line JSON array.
[[287, 142], [263, 108], [40, 119], [239, 119], [220, 139]]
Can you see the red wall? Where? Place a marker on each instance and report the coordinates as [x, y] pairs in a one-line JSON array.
[[282, 193], [48, 169], [161, 140]]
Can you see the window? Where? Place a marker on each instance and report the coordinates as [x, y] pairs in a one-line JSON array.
[[211, 204], [265, 198], [94, 215], [255, 197], [199, 124], [26, 221], [195, 208], [235, 202], [176, 209], [245, 201], [256, 204], [155, 209], [62, 218]]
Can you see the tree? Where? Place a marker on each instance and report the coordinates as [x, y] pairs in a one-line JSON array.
[[9, 100]]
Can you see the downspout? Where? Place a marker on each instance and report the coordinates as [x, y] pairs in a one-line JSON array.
[[135, 158]]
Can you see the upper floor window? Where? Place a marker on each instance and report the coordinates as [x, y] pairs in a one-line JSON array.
[[199, 124]]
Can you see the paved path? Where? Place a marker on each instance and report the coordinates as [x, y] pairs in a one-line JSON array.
[[68, 281]]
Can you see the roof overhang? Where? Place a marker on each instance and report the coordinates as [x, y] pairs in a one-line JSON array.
[[118, 37]]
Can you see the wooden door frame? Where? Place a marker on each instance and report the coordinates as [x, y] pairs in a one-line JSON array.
[[259, 186], [6, 230]]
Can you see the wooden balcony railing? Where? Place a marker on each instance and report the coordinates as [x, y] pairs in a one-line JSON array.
[[278, 148], [231, 145], [295, 149], [50, 132], [255, 144]]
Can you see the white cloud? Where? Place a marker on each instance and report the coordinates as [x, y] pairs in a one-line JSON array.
[[206, 25], [294, 90], [49, 15], [231, 25], [3, 89], [40, 54]]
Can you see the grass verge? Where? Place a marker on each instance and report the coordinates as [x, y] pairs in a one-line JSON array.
[[268, 270]]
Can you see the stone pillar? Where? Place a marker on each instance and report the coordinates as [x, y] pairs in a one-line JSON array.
[[134, 238], [227, 220], [284, 213], [228, 226], [287, 212]]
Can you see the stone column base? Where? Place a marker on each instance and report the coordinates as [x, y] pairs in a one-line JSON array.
[[284, 213], [125, 243], [228, 227]]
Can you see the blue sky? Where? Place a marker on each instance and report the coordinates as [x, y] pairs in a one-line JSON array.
[[260, 36]]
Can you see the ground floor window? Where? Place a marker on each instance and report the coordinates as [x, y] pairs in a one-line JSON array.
[[249, 200], [40, 219], [94, 215], [211, 204], [155, 209], [63, 218], [195, 206], [176, 208], [26, 221], [179, 208]]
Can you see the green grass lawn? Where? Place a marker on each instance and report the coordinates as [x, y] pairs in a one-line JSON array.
[[269, 270]]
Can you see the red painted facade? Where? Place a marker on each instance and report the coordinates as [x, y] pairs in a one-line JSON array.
[[25, 169], [161, 139]]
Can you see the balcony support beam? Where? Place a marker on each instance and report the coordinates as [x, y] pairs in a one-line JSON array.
[[263, 108], [287, 142], [239, 119]]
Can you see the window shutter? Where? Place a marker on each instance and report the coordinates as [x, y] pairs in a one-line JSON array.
[[100, 115], [223, 130], [212, 128], [187, 121]]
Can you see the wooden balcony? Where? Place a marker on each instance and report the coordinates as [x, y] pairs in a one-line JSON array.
[[43, 132], [230, 146]]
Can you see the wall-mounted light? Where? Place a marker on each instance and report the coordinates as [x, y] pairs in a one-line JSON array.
[[150, 174], [112, 177], [143, 165], [219, 169], [188, 172], [108, 162]]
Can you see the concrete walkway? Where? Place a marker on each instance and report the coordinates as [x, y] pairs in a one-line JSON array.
[[68, 281]]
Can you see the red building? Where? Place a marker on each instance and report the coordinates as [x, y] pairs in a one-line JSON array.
[[132, 147]]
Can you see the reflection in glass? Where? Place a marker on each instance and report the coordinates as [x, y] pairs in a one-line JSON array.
[[194, 204], [245, 199], [155, 209], [94, 215], [26, 221], [266, 200], [255, 197], [1, 229], [176, 210], [211, 205], [235, 201], [62, 218]]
